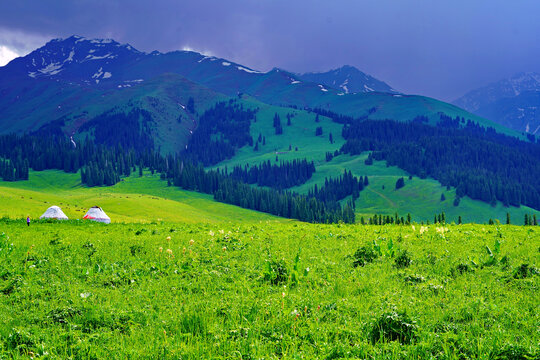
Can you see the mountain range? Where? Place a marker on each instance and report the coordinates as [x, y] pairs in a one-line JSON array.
[[225, 115], [78, 78], [513, 102]]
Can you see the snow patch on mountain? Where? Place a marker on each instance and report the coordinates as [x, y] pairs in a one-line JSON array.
[[51, 69], [225, 63], [98, 73], [248, 70], [70, 57], [211, 58], [106, 56], [323, 88]]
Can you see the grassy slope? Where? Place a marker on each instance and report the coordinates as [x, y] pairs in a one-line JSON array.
[[300, 134], [39, 102], [420, 197], [132, 200], [91, 290]]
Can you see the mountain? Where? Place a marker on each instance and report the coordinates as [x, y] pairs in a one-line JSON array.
[[226, 115], [86, 74], [349, 80], [512, 102]]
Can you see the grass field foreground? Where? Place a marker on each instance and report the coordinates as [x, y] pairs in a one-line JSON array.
[[84, 290]]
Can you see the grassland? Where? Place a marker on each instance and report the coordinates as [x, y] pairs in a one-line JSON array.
[[81, 290], [135, 199], [147, 198], [419, 197]]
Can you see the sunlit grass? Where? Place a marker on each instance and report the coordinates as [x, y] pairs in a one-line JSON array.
[[176, 290]]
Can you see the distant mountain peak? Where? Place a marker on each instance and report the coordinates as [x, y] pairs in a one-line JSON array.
[[348, 79], [505, 88], [513, 102], [65, 57]]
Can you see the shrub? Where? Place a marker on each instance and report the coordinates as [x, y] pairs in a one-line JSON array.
[[525, 271], [62, 315], [394, 326], [463, 268], [135, 249], [403, 260], [364, 255], [19, 339], [277, 272]]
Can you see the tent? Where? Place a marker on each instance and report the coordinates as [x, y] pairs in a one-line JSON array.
[[54, 212], [96, 213]]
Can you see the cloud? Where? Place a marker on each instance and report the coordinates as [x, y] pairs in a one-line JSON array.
[[6, 55], [20, 42], [435, 48]]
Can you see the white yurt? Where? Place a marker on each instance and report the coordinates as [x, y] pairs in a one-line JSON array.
[[95, 213], [54, 212]]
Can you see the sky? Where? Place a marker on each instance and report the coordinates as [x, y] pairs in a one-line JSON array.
[[437, 48]]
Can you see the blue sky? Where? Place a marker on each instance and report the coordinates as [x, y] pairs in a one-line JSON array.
[[435, 48]]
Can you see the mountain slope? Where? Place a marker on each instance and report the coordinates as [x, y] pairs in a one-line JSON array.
[[82, 87], [81, 73], [349, 80], [512, 102]]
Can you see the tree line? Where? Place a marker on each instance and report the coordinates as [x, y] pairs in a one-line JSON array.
[[479, 162], [103, 165], [226, 188], [222, 130], [283, 176]]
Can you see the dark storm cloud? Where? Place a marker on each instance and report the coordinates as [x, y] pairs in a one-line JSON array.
[[435, 48]]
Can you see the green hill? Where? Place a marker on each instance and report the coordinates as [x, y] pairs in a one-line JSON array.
[[135, 199]]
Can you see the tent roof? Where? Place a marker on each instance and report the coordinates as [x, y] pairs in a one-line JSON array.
[[54, 212], [97, 214]]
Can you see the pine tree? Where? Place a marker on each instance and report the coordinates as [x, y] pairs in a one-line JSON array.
[[443, 197], [526, 220], [459, 221], [508, 219], [191, 105]]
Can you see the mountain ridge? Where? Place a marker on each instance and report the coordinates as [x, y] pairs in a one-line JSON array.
[[513, 102], [349, 79], [93, 69]]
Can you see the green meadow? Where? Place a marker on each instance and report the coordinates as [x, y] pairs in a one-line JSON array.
[[134, 199], [267, 290]]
